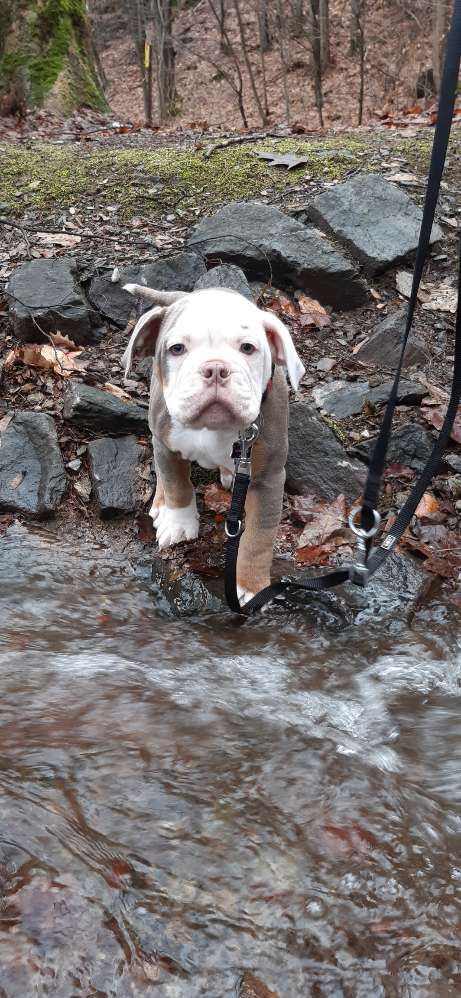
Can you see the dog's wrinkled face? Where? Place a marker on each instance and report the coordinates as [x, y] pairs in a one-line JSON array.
[[214, 352]]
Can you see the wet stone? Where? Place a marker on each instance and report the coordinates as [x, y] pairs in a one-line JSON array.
[[46, 295], [100, 410], [114, 470], [385, 343], [268, 243], [317, 462], [32, 476], [397, 586], [179, 272], [374, 219], [187, 595], [227, 275], [342, 399]]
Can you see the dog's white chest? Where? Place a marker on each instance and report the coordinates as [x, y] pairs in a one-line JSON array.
[[209, 448]]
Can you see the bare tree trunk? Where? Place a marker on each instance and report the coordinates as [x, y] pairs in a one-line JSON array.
[[324, 28], [248, 62], [355, 26], [439, 31], [283, 59], [162, 11], [222, 25], [297, 17], [264, 26], [263, 44], [316, 59], [361, 39], [237, 87]]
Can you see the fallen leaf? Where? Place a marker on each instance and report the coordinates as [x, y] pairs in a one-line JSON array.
[[319, 554], [427, 505], [403, 178], [217, 498], [49, 357], [58, 239], [252, 987], [287, 160], [58, 340], [436, 416], [83, 487], [312, 312], [117, 391], [442, 298], [328, 520], [440, 547]]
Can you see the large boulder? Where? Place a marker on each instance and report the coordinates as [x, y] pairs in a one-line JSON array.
[[375, 220], [179, 272], [384, 345], [100, 410], [114, 470], [46, 295], [410, 444], [268, 243], [32, 476], [317, 463]]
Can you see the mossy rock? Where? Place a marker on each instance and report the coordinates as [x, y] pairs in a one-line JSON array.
[[45, 59]]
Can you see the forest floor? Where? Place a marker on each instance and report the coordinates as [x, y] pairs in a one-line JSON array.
[[128, 198]]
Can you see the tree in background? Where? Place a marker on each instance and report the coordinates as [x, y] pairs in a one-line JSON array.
[[46, 57], [440, 13]]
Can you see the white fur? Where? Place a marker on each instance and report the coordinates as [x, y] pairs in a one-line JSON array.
[[209, 448], [174, 525], [244, 595]]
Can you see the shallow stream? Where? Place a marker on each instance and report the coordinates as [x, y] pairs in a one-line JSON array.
[[188, 799]]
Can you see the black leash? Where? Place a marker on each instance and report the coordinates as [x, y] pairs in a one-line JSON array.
[[365, 520]]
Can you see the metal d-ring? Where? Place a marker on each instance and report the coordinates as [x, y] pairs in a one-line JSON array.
[[237, 532], [359, 531]]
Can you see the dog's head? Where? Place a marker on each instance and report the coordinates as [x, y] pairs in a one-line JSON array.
[[213, 352]]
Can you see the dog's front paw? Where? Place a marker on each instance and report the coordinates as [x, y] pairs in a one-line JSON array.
[[226, 478], [244, 595], [174, 525]]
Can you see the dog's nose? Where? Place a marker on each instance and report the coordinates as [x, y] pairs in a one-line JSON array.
[[213, 371]]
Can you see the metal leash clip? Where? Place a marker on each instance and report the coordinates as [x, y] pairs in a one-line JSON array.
[[241, 453], [358, 572]]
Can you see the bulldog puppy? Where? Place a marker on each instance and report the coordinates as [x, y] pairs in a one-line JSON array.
[[213, 354]]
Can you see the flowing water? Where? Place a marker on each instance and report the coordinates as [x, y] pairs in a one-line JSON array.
[[186, 799]]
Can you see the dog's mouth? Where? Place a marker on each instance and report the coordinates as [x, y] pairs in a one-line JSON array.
[[215, 413]]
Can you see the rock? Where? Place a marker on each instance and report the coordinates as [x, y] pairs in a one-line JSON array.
[[396, 587], [317, 463], [385, 343], [179, 272], [410, 445], [114, 473], [187, 594], [453, 461], [266, 242], [46, 294], [32, 476], [342, 399], [374, 219], [100, 410], [226, 276]]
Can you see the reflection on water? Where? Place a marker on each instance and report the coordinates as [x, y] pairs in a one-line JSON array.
[[184, 800]]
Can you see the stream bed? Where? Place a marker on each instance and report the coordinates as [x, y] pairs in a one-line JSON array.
[[192, 805]]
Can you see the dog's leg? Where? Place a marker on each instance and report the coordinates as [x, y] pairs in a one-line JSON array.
[[262, 517], [226, 477], [174, 509]]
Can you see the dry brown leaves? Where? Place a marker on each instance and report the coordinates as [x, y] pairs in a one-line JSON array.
[[49, 356], [312, 312], [436, 416], [325, 528], [440, 547], [252, 987]]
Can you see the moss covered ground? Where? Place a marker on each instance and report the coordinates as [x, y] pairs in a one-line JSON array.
[[154, 182]]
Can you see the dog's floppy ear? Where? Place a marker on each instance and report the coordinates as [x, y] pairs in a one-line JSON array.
[[143, 339], [282, 347]]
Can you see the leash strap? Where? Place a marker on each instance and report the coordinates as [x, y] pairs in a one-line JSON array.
[[373, 559]]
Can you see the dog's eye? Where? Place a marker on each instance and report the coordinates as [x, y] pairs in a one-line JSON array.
[[177, 349], [247, 348]]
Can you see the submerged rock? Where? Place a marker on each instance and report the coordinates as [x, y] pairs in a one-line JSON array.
[[178, 272], [317, 462], [114, 470], [46, 296], [374, 219], [268, 243], [88, 406], [32, 476]]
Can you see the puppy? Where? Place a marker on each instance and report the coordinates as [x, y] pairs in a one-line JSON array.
[[214, 353]]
